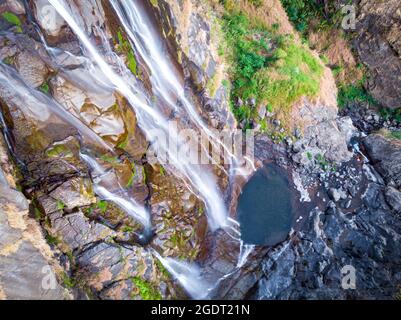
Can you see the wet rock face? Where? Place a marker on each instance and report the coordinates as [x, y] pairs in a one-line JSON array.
[[92, 17], [379, 47]]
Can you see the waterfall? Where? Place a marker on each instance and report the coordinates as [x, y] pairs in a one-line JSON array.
[[163, 75], [120, 198], [245, 251], [152, 122], [188, 275]]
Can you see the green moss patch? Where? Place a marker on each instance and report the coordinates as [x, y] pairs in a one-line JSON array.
[[146, 290]]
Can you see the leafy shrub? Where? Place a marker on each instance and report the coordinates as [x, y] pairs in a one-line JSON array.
[[302, 12]]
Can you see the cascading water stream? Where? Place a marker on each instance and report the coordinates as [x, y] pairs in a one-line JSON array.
[[163, 75], [188, 275], [152, 123], [245, 251], [120, 198]]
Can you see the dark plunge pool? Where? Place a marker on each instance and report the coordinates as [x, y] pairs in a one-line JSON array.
[[264, 207]]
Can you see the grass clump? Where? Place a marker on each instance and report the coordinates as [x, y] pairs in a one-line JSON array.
[[102, 206], [146, 290], [273, 69], [44, 87], [52, 240], [295, 73], [60, 205]]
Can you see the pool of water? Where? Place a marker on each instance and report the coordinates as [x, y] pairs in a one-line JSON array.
[[264, 207]]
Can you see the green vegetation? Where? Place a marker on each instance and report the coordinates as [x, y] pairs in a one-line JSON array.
[[127, 229], [44, 87], [52, 240], [59, 150], [391, 114], [396, 135], [60, 205], [161, 268], [301, 12], [273, 69], [68, 282], [304, 13], [391, 134], [296, 73], [13, 19], [353, 94], [321, 160], [154, 3], [102, 205], [125, 47], [8, 60], [110, 159], [146, 290]]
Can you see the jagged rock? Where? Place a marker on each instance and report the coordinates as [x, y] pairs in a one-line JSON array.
[[15, 6], [21, 239], [393, 197], [76, 231], [73, 193], [105, 268], [48, 18], [196, 45], [252, 102], [309, 266], [262, 112], [385, 154], [337, 194], [31, 68], [239, 102]]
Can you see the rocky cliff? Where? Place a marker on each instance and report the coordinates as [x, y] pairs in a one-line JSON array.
[[379, 48]]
